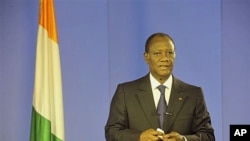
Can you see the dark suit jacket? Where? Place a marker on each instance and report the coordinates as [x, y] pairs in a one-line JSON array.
[[133, 111]]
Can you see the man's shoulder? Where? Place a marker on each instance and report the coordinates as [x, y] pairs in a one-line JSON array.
[[185, 84], [139, 80]]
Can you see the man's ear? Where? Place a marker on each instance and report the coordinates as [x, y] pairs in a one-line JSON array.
[[146, 57]]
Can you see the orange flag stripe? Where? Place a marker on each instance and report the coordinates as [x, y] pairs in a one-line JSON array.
[[47, 18]]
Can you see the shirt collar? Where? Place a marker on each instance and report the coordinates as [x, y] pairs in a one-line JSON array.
[[155, 83]]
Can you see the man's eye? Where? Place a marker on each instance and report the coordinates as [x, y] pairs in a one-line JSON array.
[[157, 53], [170, 52]]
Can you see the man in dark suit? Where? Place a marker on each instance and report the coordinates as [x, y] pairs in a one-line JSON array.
[[135, 113]]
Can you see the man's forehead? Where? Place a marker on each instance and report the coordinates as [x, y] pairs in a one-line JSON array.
[[161, 42]]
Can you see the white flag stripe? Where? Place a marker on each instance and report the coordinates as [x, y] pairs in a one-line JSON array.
[[48, 83]]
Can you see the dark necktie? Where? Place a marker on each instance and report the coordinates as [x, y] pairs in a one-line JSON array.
[[162, 105]]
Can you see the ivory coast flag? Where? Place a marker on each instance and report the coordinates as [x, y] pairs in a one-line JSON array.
[[47, 123]]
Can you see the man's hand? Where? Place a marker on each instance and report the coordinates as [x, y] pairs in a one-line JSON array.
[[150, 135], [173, 136]]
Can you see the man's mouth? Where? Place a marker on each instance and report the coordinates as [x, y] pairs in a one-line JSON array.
[[164, 66]]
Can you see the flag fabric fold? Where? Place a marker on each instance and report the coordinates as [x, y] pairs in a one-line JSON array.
[[47, 122]]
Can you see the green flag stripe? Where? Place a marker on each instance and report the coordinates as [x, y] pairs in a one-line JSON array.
[[41, 128]]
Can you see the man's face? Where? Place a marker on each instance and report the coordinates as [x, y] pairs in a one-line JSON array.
[[160, 58]]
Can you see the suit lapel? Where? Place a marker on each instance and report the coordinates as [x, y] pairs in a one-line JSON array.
[[146, 100], [176, 101]]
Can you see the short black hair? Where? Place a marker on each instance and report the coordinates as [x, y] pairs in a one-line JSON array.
[[158, 34]]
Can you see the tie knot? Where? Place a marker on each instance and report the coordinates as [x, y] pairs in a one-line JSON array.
[[162, 88]]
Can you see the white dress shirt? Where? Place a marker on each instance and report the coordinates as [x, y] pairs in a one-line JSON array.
[[157, 93]]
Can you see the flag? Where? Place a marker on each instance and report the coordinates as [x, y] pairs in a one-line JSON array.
[[47, 122]]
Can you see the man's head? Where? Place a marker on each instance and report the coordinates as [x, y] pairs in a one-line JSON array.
[[160, 55]]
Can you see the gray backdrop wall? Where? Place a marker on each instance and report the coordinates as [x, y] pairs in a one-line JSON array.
[[102, 43]]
